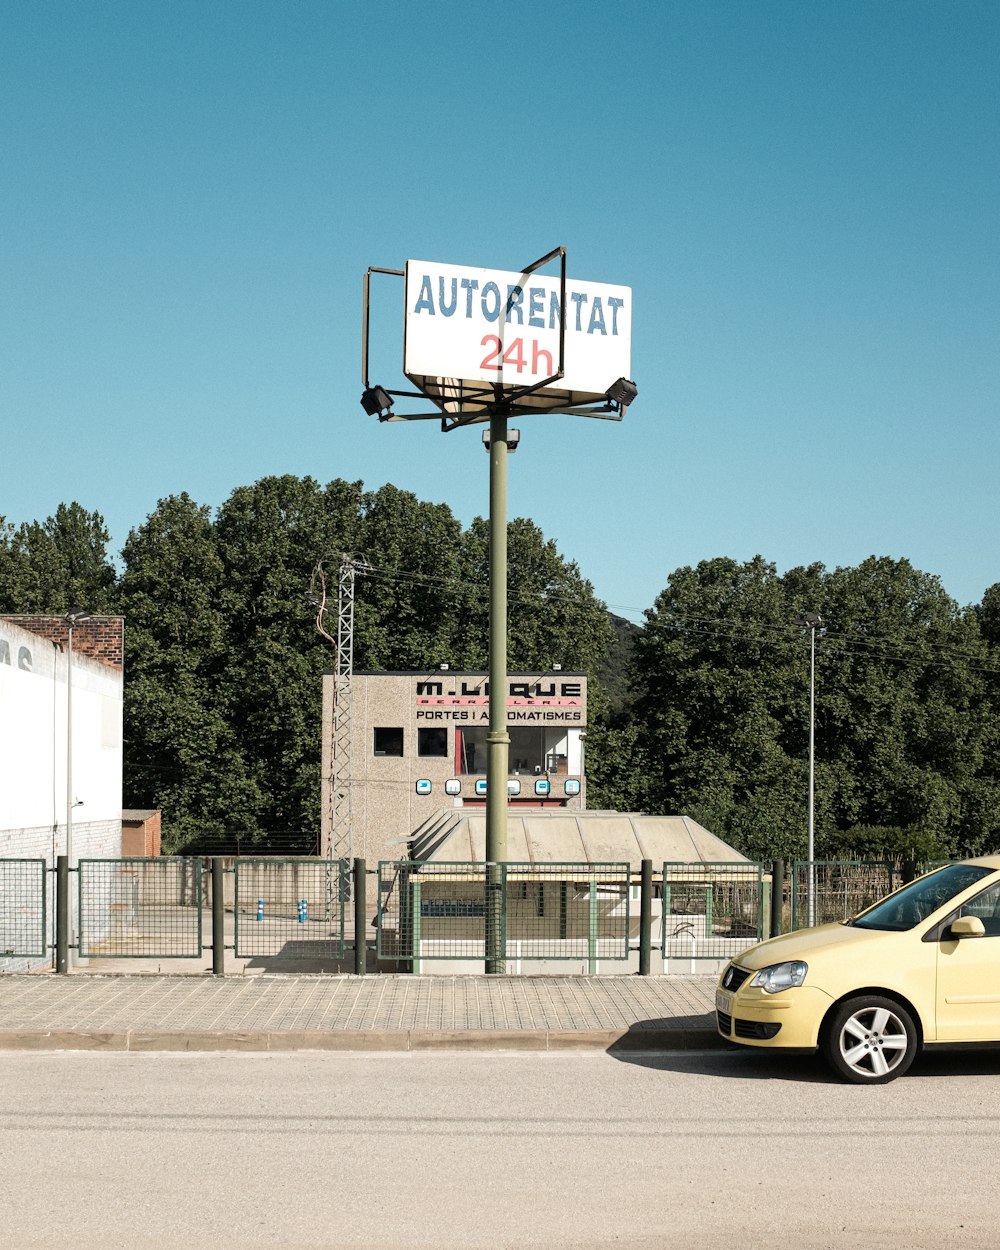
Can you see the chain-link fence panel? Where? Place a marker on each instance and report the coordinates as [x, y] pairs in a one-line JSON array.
[[437, 910], [839, 889], [431, 910], [710, 911], [140, 908], [289, 908], [22, 908], [567, 911]]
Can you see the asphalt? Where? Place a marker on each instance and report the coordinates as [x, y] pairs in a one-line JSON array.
[[82, 1011]]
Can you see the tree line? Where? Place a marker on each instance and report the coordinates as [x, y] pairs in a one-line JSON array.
[[223, 657], [703, 710]]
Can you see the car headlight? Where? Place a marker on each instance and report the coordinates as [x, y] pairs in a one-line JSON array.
[[781, 976]]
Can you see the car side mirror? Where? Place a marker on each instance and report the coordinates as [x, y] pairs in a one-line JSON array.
[[966, 927]]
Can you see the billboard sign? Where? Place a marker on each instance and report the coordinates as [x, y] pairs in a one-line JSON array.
[[468, 330]]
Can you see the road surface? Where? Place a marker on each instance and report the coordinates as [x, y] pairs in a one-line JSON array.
[[100, 1151]]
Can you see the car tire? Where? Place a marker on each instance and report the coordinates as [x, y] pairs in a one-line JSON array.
[[869, 1040]]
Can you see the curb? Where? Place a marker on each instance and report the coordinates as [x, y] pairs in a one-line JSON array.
[[633, 1041]]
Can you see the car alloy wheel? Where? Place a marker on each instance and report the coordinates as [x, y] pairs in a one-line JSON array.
[[870, 1040]]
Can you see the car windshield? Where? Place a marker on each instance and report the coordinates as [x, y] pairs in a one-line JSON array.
[[916, 901]]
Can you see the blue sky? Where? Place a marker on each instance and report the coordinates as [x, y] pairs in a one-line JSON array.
[[803, 198]]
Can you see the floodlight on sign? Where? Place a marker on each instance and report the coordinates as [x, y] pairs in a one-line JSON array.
[[377, 402], [513, 438], [622, 393]]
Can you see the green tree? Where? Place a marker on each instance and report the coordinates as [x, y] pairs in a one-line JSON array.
[[181, 752], [553, 615], [406, 602], [717, 703], [48, 567], [901, 703], [905, 736], [15, 571], [270, 537]]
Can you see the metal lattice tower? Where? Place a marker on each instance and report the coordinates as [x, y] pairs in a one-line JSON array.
[[341, 831], [341, 845]]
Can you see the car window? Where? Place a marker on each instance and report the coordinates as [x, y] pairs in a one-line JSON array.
[[987, 907], [912, 904]]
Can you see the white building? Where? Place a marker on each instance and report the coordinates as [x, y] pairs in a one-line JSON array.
[[34, 741]]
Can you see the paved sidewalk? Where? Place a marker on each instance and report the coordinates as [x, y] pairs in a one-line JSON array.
[[380, 1012]]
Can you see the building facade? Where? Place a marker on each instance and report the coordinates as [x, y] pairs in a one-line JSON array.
[[418, 744], [35, 739]]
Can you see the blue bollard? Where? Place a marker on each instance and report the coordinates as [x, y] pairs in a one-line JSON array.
[[260, 909], [303, 910]]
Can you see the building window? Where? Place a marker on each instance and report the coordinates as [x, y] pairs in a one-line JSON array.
[[388, 742], [432, 742]]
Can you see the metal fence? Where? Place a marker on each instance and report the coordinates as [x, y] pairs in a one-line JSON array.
[[435, 910], [841, 888], [140, 908], [295, 909], [22, 908], [711, 911], [290, 908]]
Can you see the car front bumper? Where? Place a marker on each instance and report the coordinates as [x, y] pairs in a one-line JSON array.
[[790, 1019]]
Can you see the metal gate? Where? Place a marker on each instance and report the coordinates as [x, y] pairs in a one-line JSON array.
[[289, 908], [22, 909], [140, 908], [432, 909], [711, 911]]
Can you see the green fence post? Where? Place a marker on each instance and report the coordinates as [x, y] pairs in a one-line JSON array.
[[563, 888], [360, 919], [404, 934], [504, 898], [777, 895], [709, 899], [415, 947], [592, 931], [645, 915], [218, 918], [62, 913]]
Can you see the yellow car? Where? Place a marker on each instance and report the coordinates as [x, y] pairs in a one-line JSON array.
[[918, 968]]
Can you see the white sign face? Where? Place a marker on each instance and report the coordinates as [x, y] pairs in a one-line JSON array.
[[497, 327]]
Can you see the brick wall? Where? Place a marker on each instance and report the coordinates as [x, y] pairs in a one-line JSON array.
[[140, 836], [101, 638]]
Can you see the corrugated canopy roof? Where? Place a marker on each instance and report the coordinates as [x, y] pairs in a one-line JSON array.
[[539, 837]]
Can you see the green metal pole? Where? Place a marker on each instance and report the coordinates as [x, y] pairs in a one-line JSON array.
[[218, 918], [777, 895], [592, 932], [360, 919], [645, 916], [415, 949], [497, 738], [62, 913]]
